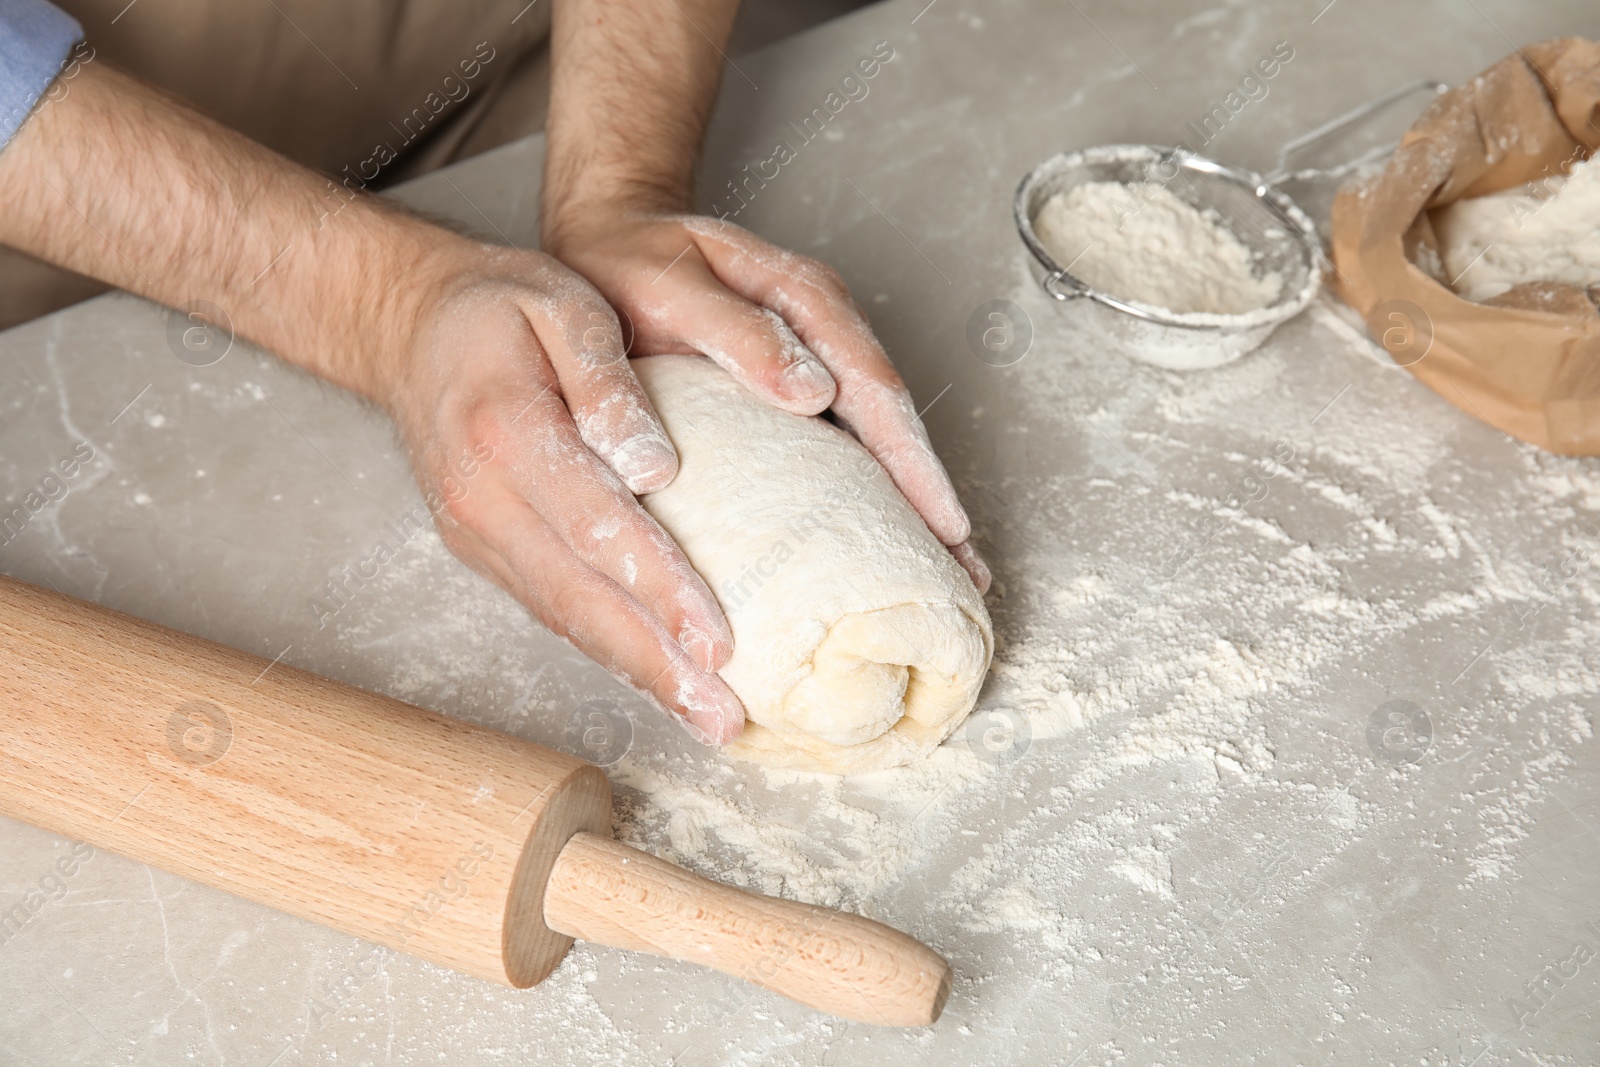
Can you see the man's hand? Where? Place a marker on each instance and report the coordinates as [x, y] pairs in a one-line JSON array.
[[631, 91], [516, 374], [498, 359], [783, 324]]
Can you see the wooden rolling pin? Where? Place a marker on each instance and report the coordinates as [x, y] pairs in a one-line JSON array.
[[467, 847]]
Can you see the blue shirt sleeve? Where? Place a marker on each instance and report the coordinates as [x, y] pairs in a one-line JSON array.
[[36, 38]]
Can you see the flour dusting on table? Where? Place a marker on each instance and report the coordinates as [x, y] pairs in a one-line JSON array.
[[1298, 539], [1153, 674], [1192, 685]]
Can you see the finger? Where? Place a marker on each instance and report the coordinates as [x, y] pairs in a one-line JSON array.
[[884, 418], [973, 564], [527, 556], [753, 343], [603, 525], [580, 334], [872, 399]]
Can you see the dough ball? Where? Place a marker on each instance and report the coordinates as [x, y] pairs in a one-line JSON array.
[[859, 642]]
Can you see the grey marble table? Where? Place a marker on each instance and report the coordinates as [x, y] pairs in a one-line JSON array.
[[1209, 838]]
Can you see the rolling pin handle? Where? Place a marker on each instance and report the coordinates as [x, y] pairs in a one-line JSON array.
[[603, 891]]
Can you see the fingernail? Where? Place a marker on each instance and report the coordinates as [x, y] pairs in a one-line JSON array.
[[645, 463], [700, 648], [960, 525], [981, 575], [717, 728], [714, 715], [806, 379], [973, 564], [947, 518], [695, 732]]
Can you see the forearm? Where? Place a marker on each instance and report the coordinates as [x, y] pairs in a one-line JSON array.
[[504, 371], [634, 84], [632, 87], [121, 182]]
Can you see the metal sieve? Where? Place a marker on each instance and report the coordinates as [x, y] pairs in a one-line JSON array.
[[1280, 237]]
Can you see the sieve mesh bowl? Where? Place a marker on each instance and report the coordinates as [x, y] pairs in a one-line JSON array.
[[1279, 235]]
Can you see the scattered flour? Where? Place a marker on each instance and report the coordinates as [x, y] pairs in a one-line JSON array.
[[1141, 243], [1075, 862], [1548, 230], [1204, 588], [1294, 534]]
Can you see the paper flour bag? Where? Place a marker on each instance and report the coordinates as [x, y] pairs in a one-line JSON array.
[[1526, 360]]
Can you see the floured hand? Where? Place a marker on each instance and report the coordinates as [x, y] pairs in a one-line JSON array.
[[523, 416], [783, 324]]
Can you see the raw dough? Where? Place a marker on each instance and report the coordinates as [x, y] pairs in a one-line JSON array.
[[858, 641]]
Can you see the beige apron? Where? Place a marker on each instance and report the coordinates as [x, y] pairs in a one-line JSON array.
[[378, 89]]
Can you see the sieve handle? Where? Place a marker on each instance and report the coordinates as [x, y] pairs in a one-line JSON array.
[[1280, 171], [1074, 288]]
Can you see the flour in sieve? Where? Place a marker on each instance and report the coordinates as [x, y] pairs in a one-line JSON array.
[[1138, 242]]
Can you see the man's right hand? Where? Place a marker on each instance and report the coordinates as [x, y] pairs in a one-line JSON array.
[[516, 373], [495, 356]]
